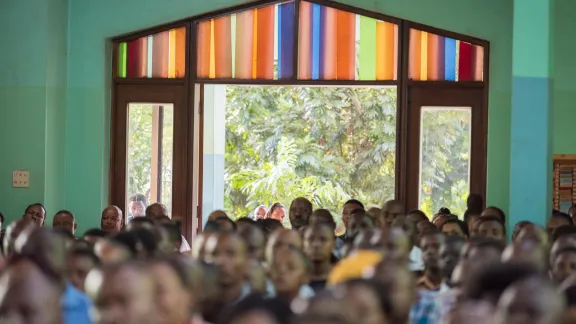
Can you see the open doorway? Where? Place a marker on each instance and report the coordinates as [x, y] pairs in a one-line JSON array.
[[269, 144]]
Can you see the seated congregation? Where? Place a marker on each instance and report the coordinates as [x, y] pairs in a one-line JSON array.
[[389, 266]]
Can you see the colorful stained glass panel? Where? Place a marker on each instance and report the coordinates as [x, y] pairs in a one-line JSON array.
[[437, 58], [339, 45], [253, 44], [161, 55]]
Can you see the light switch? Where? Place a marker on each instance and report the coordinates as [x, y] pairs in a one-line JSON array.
[[20, 179]]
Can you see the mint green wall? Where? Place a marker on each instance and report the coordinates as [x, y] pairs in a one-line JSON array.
[[32, 102], [564, 114]]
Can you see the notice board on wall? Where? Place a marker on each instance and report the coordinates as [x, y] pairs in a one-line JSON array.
[[564, 182]]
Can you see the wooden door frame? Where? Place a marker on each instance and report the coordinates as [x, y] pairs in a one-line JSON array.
[[455, 96], [175, 94]]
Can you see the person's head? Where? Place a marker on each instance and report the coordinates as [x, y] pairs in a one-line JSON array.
[[289, 271], [348, 207], [269, 226], [170, 238], [156, 210], [123, 293], [492, 227], [531, 300], [230, 255], [112, 218], [517, 228], [455, 227], [391, 211], [533, 232], [475, 203], [402, 286], [319, 242], [81, 260], [299, 214], [494, 211], [376, 214], [488, 283], [430, 245], [254, 238], [116, 248], [420, 228], [282, 238], [322, 216], [527, 251], [226, 224], [561, 243], [482, 250], [470, 217], [137, 205], [141, 222], [564, 230], [93, 235], [450, 255], [563, 264], [260, 212], [13, 231], [256, 309], [371, 300], [277, 211], [65, 220], [417, 216], [217, 214], [173, 299], [556, 220], [36, 213], [48, 248], [359, 220], [30, 294]]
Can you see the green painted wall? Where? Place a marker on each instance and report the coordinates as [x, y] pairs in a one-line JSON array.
[[32, 102], [564, 113], [86, 129]]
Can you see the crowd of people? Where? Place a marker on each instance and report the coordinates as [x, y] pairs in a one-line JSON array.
[[389, 266]]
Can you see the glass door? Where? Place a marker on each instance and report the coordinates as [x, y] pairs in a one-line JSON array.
[[446, 148], [149, 150]]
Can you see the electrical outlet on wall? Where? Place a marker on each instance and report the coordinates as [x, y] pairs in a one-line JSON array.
[[20, 179]]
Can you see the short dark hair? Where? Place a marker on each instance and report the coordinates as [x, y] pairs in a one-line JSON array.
[[565, 216], [460, 224], [468, 213], [173, 231], [490, 282], [490, 218], [325, 216], [564, 230], [474, 203], [95, 232], [420, 214], [269, 225], [568, 249], [383, 293], [142, 220], [306, 201], [228, 220], [138, 197], [36, 204], [1, 218], [246, 220], [212, 226], [354, 202], [82, 251], [487, 243], [499, 212], [276, 308], [64, 211]]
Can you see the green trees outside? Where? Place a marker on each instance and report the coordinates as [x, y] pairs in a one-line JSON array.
[[328, 144], [331, 144]]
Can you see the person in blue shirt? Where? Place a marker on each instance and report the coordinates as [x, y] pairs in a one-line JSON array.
[[49, 247]]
